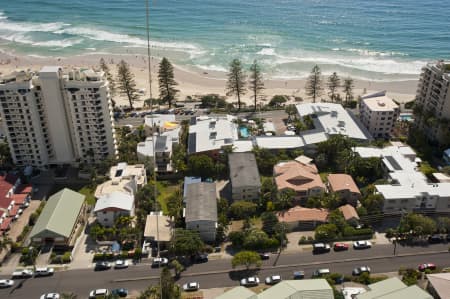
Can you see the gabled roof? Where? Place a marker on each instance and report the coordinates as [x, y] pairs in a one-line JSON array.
[[308, 288], [299, 213], [441, 284], [238, 293], [393, 288], [243, 170], [201, 202], [297, 176], [59, 214], [341, 181], [115, 200], [349, 212]]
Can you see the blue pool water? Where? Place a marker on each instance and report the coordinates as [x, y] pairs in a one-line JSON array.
[[406, 117], [244, 132]]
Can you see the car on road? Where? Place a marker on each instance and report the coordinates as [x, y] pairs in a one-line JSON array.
[[50, 296], [46, 271], [121, 264], [264, 256], [98, 293], [274, 279], [191, 286], [321, 272], [362, 244], [299, 274], [6, 283], [119, 292], [101, 266], [251, 281], [321, 248], [201, 258], [340, 246], [25, 273], [360, 270], [159, 262], [435, 239], [423, 267]]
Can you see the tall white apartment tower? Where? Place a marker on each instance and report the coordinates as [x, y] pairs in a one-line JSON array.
[[432, 107], [53, 117]]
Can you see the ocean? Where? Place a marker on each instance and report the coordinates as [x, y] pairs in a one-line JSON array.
[[376, 40]]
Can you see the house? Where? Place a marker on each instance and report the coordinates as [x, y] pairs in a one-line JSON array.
[[158, 228], [330, 119], [439, 285], [300, 175], [162, 150], [113, 205], [244, 176], [210, 135], [187, 181], [201, 210], [378, 113], [393, 288], [349, 213], [344, 185], [300, 218], [160, 123], [13, 195], [238, 293], [64, 212], [409, 189], [125, 178], [307, 288]]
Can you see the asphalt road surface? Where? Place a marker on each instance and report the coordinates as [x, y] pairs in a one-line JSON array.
[[218, 273]]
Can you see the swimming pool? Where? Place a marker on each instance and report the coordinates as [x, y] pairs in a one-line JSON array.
[[244, 132], [406, 117]]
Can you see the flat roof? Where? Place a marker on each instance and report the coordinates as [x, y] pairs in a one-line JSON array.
[[243, 170], [201, 202], [380, 103], [161, 233], [159, 119], [279, 142]]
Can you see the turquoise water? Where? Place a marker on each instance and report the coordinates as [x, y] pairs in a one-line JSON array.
[[406, 117], [380, 40], [244, 132]]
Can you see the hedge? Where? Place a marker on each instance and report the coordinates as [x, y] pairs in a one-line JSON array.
[[350, 231]]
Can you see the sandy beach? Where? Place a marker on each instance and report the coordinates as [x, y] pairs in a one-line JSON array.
[[195, 83]]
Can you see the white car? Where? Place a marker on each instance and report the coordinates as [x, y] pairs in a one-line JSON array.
[[362, 244], [6, 283], [25, 273], [159, 262], [121, 264], [44, 272], [191, 286], [250, 281], [98, 293], [274, 279], [50, 296]]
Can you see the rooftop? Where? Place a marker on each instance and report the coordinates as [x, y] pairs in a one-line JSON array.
[[331, 119], [393, 288], [341, 181], [238, 293], [441, 284], [116, 200], [243, 170], [349, 212], [279, 142], [307, 288], [297, 176], [201, 202], [124, 171], [166, 121], [165, 227], [379, 102], [299, 213]]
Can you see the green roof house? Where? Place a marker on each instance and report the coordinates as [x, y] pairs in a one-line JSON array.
[[59, 218], [238, 293], [393, 288]]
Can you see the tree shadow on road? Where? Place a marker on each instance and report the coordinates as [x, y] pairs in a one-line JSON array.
[[240, 274]]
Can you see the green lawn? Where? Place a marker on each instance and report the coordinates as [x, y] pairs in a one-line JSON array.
[[164, 191], [89, 193]]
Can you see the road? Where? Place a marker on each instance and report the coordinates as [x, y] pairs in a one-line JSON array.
[[218, 273]]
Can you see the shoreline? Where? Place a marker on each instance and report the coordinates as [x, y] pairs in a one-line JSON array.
[[197, 82]]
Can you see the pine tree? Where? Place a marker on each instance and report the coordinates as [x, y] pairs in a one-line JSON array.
[[256, 82], [110, 78], [236, 81], [126, 83], [333, 83], [167, 83], [348, 89], [314, 84]]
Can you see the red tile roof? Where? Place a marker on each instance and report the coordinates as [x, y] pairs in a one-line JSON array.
[[349, 212], [341, 181], [297, 176], [303, 214], [6, 183], [19, 198], [5, 224], [13, 211]]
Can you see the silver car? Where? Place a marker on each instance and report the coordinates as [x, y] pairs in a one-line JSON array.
[[250, 281], [6, 283], [191, 286], [50, 296], [274, 279], [360, 270], [362, 244]]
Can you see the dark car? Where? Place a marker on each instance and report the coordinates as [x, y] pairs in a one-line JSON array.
[[435, 239], [201, 258], [101, 266], [299, 274], [321, 248], [264, 256], [120, 292]]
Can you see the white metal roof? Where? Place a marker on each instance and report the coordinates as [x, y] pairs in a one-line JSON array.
[[117, 199], [279, 142]]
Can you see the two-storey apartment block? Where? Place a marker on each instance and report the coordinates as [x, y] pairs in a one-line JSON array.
[[53, 117], [432, 111], [379, 114], [244, 176]]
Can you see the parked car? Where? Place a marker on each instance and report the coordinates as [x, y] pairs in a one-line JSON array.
[[6, 283], [360, 270], [44, 272], [250, 281], [50, 296], [340, 246], [299, 274], [98, 293], [264, 256], [423, 267], [121, 264], [101, 266], [362, 244], [435, 239], [120, 292], [321, 272], [191, 286], [159, 262], [25, 273], [321, 248], [201, 258], [274, 279]]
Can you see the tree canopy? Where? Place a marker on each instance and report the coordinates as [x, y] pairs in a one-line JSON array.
[[186, 242], [167, 83], [236, 80], [314, 83], [126, 83], [247, 259], [256, 82]]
